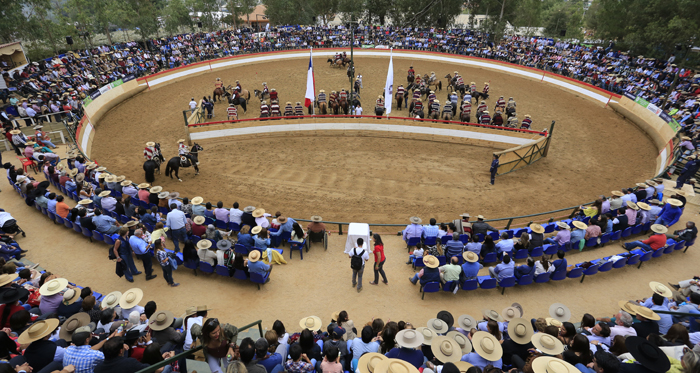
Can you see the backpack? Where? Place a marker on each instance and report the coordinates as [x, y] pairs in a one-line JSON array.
[[356, 260]]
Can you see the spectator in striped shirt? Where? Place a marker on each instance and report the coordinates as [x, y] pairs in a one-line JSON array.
[[232, 112], [264, 110]]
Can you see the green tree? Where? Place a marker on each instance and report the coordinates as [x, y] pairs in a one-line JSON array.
[[14, 23], [206, 10], [141, 15], [564, 20], [434, 13], [176, 16], [289, 12], [239, 9]]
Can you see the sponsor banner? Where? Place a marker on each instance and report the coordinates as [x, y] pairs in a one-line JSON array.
[[381, 47], [116, 83], [87, 101], [128, 78], [95, 95], [105, 88], [629, 95], [675, 126]]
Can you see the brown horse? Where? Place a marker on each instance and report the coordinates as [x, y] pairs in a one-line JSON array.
[[399, 101], [433, 81], [322, 108], [450, 83], [335, 63], [343, 103], [260, 95], [334, 107], [219, 93], [410, 78]]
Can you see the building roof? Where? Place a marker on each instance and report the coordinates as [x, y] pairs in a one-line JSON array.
[[8, 44], [260, 11]]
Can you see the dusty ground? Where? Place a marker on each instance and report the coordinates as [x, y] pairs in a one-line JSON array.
[[380, 180]]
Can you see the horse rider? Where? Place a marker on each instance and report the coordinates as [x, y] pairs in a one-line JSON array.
[[500, 103], [184, 151], [333, 98], [321, 99], [264, 110], [288, 109], [298, 109], [459, 81], [454, 98], [481, 108], [431, 98], [526, 123], [265, 90], [275, 109], [472, 88], [485, 117], [238, 87], [338, 57], [232, 111], [467, 96], [343, 95], [447, 111], [357, 84], [411, 72], [418, 80], [486, 90], [400, 93], [497, 118], [418, 108], [273, 94], [379, 106], [434, 111], [466, 111], [345, 55], [416, 95], [149, 152], [510, 107], [219, 83], [513, 122], [432, 77]]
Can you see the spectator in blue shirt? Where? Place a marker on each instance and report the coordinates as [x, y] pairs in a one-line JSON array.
[[505, 245], [51, 205], [286, 225], [255, 265], [560, 264], [104, 224], [141, 249], [668, 216], [414, 229], [503, 270], [263, 357], [471, 265], [525, 269], [244, 237], [431, 230], [454, 247], [487, 351], [176, 221]]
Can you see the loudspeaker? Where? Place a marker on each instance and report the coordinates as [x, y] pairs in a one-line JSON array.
[[562, 33], [199, 24], [69, 40]]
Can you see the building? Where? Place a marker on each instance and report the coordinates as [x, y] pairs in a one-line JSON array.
[[12, 56]]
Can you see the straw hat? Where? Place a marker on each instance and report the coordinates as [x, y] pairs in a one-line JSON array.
[[466, 322], [461, 340], [480, 217], [258, 213], [520, 331], [463, 366], [537, 228], [369, 362], [102, 176], [658, 228], [257, 229], [548, 364], [563, 225], [156, 189], [617, 193], [111, 300], [446, 349], [70, 297], [493, 315], [316, 218], [651, 183], [647, 313], [223, 245], [85, 201], [130, 223], [408, 338], [431, 261], [91, 166], [74, 322], [130, 298], [30, 143], [553, 322], [15, 132], [510, 313], [199, 220], [105, 193], [37, 331], [6, 279], [143, 185], [470, 257], [677, 192], [181, 140], [311, 322], [415, 220], [111, 178], [197, 200], [150, 143], [641, 185], [560, 312], [428, 335], [282, 219], [580, 224], [395, 366], [627, 306], [73, 172], [660, 289], [125, 183], [203, 244], [547, 344], [163, 195], [487, 346], [632, 205], [161, 320], [438, 326], [674, 202], [254, 256], [101, 169], [643, 206], [54, 286]]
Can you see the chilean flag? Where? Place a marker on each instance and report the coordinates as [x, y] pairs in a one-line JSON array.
[[310, 82]]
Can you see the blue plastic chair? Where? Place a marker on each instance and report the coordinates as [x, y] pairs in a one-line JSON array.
[[605, 238], [221, 224], [442, 260], [58, 220], [87, 233], [297, 246], [258, 278], [413, 241], [494, 235], [221, 271], [668, 249], [616, 235], [679, 246], [444, 239], [550, 250], [463, 238], [448, 286], [490, 258], [163, 210], [627, 232], [620, 263], [77, 228], [51, 215], [637, 229], [590, 271], [537, 252], [123, 219], [68, 224], [689, 244], [240, 249], [520, 232], [634, 259], [644, 258], [108, 240], [591, 241], [240, 275], [507, 282], [430, 241], [558, 275], [509, 232], [234, 227], [98, 236], [575, 272], [479, 238], [521, 254], [487, 282], [657, 253], [542, 278], [206, 267], [470, 285], [646, 227], [549, 228], [430, 287], [525, 280], [418, 262], [605, 267]]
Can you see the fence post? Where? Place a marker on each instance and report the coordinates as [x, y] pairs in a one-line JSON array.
[[549, 139], [260, 329], [340, 229], [510, 221]]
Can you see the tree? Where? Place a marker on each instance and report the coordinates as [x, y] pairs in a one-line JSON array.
[[326, 9], [433, 13], [176, 16], [143, 16], [207, 10], [564, 20], [14, 23], [289, 12], [240, 8], [528, 14]]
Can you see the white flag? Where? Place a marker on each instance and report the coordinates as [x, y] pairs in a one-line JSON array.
[[310, 82], [389, 86]]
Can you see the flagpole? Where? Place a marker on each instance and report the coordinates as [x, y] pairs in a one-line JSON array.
[[391, 56], [313, 103]]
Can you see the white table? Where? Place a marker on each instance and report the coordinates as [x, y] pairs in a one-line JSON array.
[[355, 231]]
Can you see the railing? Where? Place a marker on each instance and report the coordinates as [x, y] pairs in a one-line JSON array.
[[524, 155], [191, 352]]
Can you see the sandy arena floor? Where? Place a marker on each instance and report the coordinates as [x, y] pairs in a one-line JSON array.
[[379, 180]]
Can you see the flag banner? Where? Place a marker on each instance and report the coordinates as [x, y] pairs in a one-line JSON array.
[[310, 82], [389, 86]]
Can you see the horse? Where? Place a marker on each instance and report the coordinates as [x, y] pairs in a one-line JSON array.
[[335, 63], [153, 164], [432, 81], [410, 78], [450, 82], [399, 101], [343, 104], [322, 108], [241, 100], [334, 107], [260, 95], [219, 93], [357, 86], [175, 163]]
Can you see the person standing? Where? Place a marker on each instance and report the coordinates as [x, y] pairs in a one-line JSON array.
[[164, 261], [177, 221], [358, 257], [122, 250], [379, 260], [141, 249], [494, 168]]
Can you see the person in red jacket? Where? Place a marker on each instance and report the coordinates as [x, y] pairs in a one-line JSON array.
[[655, 242]]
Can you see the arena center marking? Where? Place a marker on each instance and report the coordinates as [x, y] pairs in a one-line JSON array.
[[335, 126], [425, 56]]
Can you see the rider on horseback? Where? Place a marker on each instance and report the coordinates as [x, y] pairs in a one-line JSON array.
[[298, 109], [219, 83], [150, 151], [501, 102], [338, 57], [431, 97], [510, 107], [418, 108], [485, 117], [466, 110], [275, 109], [343, 95], [265, 91], [184, 151], [321, 97], [264, 109], [434, 109], [526, 123], [232, 112], [238, 87], [273, 94], [411, 72], [447, 111], [379, 107], [288, 109]]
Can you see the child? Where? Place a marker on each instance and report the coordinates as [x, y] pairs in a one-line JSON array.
[[331, 363], [299, 363], [417, 253]]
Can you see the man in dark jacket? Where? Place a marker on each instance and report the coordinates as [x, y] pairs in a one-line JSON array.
[[115, 362], [688, 234], [481, 227], [429, 273]]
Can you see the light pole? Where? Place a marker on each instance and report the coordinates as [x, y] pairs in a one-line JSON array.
[[83, 33]]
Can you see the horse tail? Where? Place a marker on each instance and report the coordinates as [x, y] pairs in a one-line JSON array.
[[167, 170]]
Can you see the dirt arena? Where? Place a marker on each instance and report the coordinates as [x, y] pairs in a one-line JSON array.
[[379, 180]]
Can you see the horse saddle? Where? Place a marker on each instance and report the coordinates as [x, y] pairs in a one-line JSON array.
[[184, 162]]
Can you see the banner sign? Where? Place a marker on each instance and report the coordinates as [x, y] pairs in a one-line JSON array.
[[105, 88], [675, 126], [116, 83], [128, 78]]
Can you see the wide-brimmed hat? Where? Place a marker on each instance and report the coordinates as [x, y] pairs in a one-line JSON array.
[[651, 183], [463, 366], [197, 200], [658, 228], [256, 229], [11, 294], [368, 362], [173, 195], [674, 202], [70, 296], [199, 220], [560, 312], [548, 364], [461, 340], [143, 185], [647, 354], [677, 192], [105, 193], [487, 346], [282, 219], [643, 206], [161, 320], [428, 335], [85, 201], [492, 314], [101, 169], [470, 257], [547, 344], [316, 218], [111, 300], [311, 322], [72, 323], [632, 205], [660, 288], [73, 172], [438, 326], [37, 331], [249, 209], [125, 183], [130, 298], [223, 244], [52, 287], [180, 140], [6, 279], [111, 178], [617, 193], [409, 338], [15, 132], [203, 244], [447, 317], [646, 313], [163, 195], [628, 306], [520, 331], [580, 224], [395, 366], [415, 220], [254, 256], [150, 143], [553, 322], [258, 213], [130, 223], [80, 177], [446, 349], [431, 261], [466, 322], [537, 228], [480, 217], [156, 189], [563, 225], [510, 313]]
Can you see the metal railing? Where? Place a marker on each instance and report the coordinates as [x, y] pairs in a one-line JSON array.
[[191, 352]]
